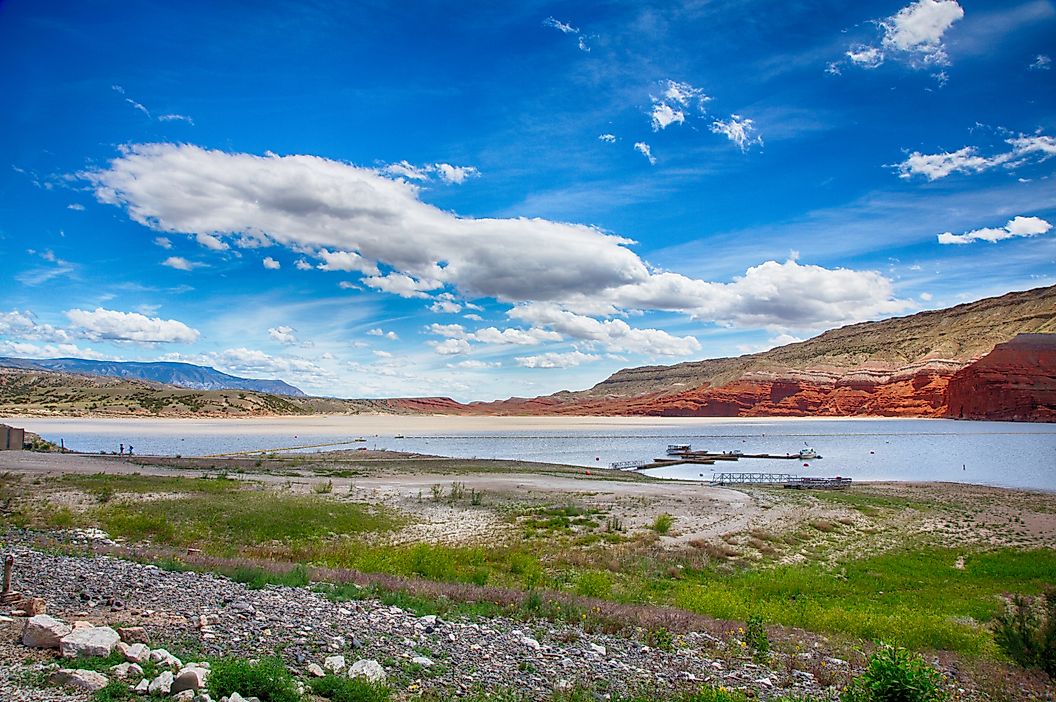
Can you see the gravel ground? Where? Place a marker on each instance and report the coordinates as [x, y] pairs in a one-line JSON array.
[[493, 654]]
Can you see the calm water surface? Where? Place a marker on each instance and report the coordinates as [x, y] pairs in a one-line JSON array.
[[994, 453]]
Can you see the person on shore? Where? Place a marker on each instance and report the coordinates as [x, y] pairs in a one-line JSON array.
[[130, 449], [121, 449]]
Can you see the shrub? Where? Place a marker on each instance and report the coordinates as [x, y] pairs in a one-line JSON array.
[[663, 523], [1026, 631], [661, 638], [323, 488], [895, 675], [267, 680], [337, 689], [755, 637]]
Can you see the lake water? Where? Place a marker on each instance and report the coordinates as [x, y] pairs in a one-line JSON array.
[[993, 453]]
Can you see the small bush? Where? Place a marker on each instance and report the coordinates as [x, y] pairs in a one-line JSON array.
[[1026, 631], [323, 488], [337, 689], [115, 691], [895, 675], [267, 680], [755, 637], [661, 638], [458, 491], [663, 523]]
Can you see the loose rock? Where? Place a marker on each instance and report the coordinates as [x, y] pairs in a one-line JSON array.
[[43, 631]]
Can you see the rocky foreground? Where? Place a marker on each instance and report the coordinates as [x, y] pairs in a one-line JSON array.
[[209, 616]]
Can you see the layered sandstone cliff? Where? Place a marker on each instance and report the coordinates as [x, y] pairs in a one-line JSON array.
[[1015, 381]]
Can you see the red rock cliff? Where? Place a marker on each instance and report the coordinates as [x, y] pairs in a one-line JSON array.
[[1015, 381]]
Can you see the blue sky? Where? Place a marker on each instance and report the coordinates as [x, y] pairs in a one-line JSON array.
[[481, 200]]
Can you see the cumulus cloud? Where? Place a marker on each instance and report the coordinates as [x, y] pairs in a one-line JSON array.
[[357, 220], [913, 35], [448, 173], [1025, 149], [252, 362], [556, 360], [643, 148], [23, 324], [614, 334], [1016, 227], [302, 265], [283, 335], [181, 264], [271, 264], [495, 336], [663, 115], [173, 117], [163, 242], [1041, 63], [112, 325], [391, 335], [445, 307], [75, 206], [675, 97], [737, 130], [450, 347], [607, 138], [27, 350], [473, 364], [210, 242]]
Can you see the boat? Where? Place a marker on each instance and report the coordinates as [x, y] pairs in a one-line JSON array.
[[359, 440], [398, 436], [676, 449], [808, 453]]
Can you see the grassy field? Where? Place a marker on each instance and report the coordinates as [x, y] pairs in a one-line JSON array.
[[911, 591]]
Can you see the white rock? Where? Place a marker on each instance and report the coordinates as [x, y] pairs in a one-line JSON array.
[[161, 684], [80, 679], [95, 641], [314, 669], [596, 648], [530, 643], [190, 678], [235, 697], [335, 664], [368, 669], [136, 653], [422, 661], [123, 671], [184, 696], [43, 631], [142, 686]]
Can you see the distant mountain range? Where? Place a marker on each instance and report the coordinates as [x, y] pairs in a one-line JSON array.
[[181, 375]]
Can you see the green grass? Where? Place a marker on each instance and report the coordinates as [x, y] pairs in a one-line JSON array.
[[266, 679], [242, 518], [100, 484], [914, 599], [337, 689]]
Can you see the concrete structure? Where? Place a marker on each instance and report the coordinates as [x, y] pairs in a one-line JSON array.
[[11, 438]]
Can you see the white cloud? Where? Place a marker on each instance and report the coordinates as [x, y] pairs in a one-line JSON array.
[[302, 265], [283, 335], [643, 148], [614, 334], [865, 56], [76, 207], [1025, 150], [683, 93], [445, 307], [25, 350], [914, 34], [254, 363], [374, 223], [347, 261], [772, 342], [607, 138], [452, 175], [456, 174], [474, 317], [556, 360], [472, 364], [663, 115], [560, 26], [391, 335], [210, 242], [917, 29], [926, 296], [172, 117], [163, 242], [402, 285], [1041, 63], [494, 336], [24, 325], [382, 354], [112, 325], [737, 130], [181, 264], [271, 264], [138, 106], [1016, 227], [450, 347]]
